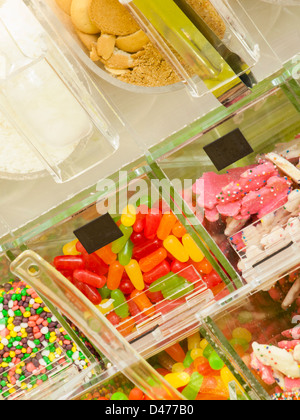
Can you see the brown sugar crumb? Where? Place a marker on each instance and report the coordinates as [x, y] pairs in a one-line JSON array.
[[208, 13], [150, 69]]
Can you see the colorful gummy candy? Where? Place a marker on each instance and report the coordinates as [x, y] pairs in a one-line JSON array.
[[154, 260], [33, 345], [116, 389], [195, 369]]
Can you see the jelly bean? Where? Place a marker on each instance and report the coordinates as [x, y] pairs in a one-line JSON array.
[[141, 213], [120, 304], [135, 312], [119, 396], [239, 342], [125, 254], [172, 287], [154, 297], [113, 318], [151, 261], [69, 262], [215, 386], [178, 367], [192, 248], [242, 333], [179, 230], [128, 217], [208, 351], [166, 225], [168, 281], [106, 254], [90, 278], [228, 377], [105, 292], [106, 306], [152, 222], [204, 267], [70, 248], [115, 274], [215, 362], [137, 238], [196, 353], [139, 224], [245, 317], [160, 271], [178, 380], [186, 270], [176, 352], [175, 247], [126, 286], [202, 366], [188, 360], [80, 248], [127, 326], [194, 341], [146, 248], [135, 275], [191, 391], [182, 289], [89, 292], [143, 303], [119, 244], [144, 201], [95, 264], [212, 279], [136, 395]]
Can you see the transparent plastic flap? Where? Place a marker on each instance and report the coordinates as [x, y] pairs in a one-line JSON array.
[[270, 246], [45, 280], [177, 31], [49, 99]]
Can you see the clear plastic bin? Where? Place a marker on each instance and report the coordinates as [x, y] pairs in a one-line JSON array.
[[40, 355], [116, 388], [260, 331], [49, 100], [155, 268], [192, 366], [232, 165], [176, 369], [98, 330], [221, 66], [277, 21]]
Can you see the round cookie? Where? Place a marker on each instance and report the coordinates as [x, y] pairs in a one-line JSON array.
[[80, 17], [112, 17], [65, 5]]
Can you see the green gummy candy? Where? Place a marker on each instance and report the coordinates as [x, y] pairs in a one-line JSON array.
[[119, 396], [191, 391]]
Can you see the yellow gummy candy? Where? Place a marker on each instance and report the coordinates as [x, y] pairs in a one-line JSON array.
[[178, 380], [70, 248]]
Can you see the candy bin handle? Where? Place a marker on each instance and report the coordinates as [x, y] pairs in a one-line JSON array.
[[48, 282]]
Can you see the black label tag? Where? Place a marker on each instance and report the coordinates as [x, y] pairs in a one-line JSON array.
[[228, 149], [98, 233]]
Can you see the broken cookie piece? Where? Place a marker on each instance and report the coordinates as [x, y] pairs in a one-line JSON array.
[[120, 60], [106, 46], [132, 43]]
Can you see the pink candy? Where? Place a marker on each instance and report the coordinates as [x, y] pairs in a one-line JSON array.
[[242, 192]]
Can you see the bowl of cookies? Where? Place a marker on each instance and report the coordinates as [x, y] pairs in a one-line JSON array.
[[114, 47]]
